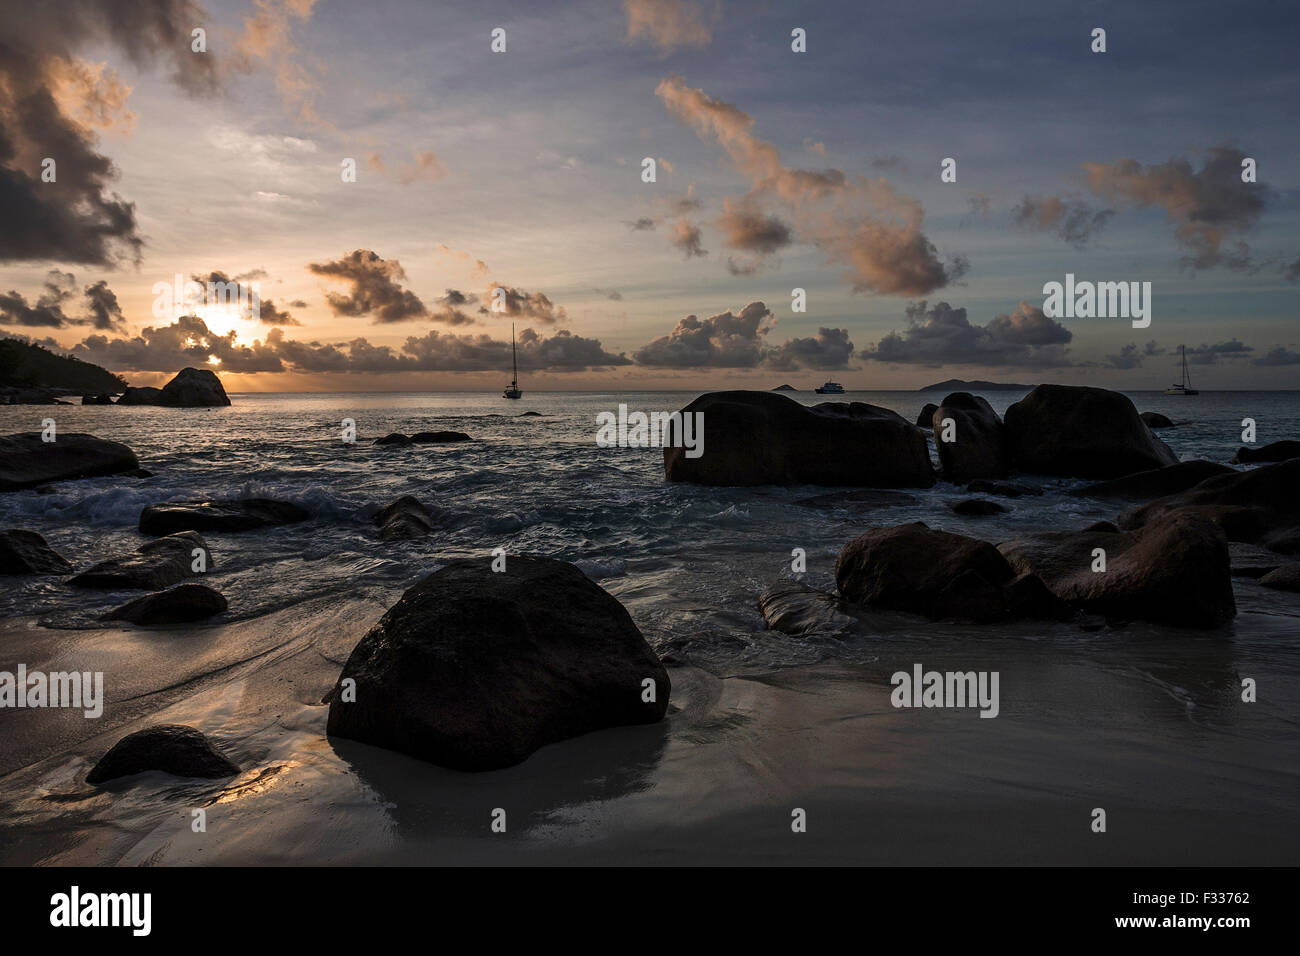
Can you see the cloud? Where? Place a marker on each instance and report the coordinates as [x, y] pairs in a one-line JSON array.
[[52, 103], [1278, 356], [667, 24], [425, 166], [516, 303], [188, 341], [1074, 220], [725, 340], [686, 236], [612, 294], [817, 147], [478, 269], [1129, 356], [748, 229], [375, 288], [1210, 354], [102, 308], [978, 203], [831, 349], [862, 224], [1208, 207], [644, 224], [944, 336], [1292, 271], [268, 38]]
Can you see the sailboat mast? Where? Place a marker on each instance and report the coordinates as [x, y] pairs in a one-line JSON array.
[[514, 359]]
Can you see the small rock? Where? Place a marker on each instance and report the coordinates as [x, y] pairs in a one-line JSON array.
[[1109, 527], [797, 609], [396, 438], [404, 518], [25, 552], [179, 605], [170, 748]]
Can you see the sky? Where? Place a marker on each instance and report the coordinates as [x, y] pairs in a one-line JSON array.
[[500, 187]]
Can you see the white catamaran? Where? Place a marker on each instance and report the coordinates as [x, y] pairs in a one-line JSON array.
[[1185, 388], [513, 390]]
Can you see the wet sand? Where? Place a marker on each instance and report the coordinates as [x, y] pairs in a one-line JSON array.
[[1186, 773]]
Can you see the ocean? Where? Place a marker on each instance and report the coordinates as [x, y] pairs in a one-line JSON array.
[[1142, 718]]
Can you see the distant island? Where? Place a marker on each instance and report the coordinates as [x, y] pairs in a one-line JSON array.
[[959, 385], [785, 388], [33, 374]]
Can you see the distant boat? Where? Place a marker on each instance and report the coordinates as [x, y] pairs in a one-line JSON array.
[[830, 388], [1186, 387], [513, 390]]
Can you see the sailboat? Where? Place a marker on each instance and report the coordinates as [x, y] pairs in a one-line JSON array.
[[513, 390], [1185, 388]]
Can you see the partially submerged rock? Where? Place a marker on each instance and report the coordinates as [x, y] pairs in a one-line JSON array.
[[1156, 482], [1252, 561], [404, 517], [176, 749], [179, 605], [1176, 571], [761, 438], [1285, 578], [794, 608], [1081, 432], [938, 574], [26, 461], [1277, 451], [153, 566], [977, 447], [140, 395], [1156, 420], [243, 514], [194, 388], [25, 552], [474, 669], [395, 438]]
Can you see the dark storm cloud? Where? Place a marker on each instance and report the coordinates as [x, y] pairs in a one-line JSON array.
[[1074, 220], [102, 309], [944, 336], [1210, 208], [376, 289], [76, 218], [831, 349]]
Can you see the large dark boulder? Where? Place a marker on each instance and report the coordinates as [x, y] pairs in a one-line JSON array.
[[179, 605], [1081, 432], [937, 574], [1157, 482], [244, 514], [26, 461], [926, 418], [193, 388], [1175, 571], [1259, 506], [761, 438], [1277, 451], [140, 395], [25, 552], [978, 448], [169, 748], [405, 517], [153, 566], [474, 669]]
